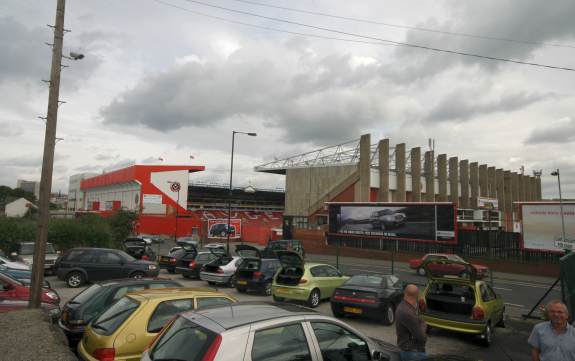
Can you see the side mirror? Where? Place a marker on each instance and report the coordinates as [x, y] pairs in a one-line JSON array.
[[14, 254], [379, 356]]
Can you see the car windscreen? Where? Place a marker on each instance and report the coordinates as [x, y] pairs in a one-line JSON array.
[[184, 340], [366, 281], [87, 294], [125, 256], [27, 249], [109, 321]]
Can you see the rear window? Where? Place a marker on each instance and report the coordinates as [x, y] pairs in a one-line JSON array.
[[184, 341], [450, 289], [109, 321], [87, 294], [250, 264], [365, 280]]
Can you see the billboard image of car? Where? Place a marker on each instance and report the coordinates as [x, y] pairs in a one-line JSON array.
[[417, 221], [218, 228], [542, 226]]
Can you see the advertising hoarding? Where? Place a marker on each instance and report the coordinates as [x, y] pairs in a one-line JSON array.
[[217, 228], [542, 226], [152, 199], [412, 221]]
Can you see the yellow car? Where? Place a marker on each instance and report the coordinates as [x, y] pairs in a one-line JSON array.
[[124, 330]]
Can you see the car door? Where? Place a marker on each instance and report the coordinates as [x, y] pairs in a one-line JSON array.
[[337, 343], [334, 280], [283, 342], [495, 304], [109, 266], [320, 279]]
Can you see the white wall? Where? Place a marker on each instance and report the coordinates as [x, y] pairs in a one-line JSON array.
[[17, 208]]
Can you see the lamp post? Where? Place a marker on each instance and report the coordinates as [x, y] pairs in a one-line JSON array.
[[230, 192], [175, 187], [557, 174]]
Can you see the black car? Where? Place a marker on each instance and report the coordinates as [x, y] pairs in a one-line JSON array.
[[139, 249], [270, 251], [221, 230], [80, 265], [255, 272], [185, 253], [81, 309], [372, 296], [191, 268]]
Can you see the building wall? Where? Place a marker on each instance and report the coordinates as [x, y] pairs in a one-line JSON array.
[[98, 199], [17, 208], [75, 194], [29, 186]]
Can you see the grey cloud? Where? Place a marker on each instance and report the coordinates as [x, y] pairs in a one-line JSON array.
[[464, 105], [106, 157], [562, 131], [22, 162], [88, 168], [10, 130]]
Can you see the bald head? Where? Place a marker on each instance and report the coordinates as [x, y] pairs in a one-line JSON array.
[[410, 294]]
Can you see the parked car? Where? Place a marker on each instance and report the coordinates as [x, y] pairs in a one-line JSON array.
[[270, 251], [23, 276], [139, 249], [177, 254], [254, 272], [387, 219], [12, 289], [80, 265], [222, 230], [82, 308], [448, 268], [221, 270], [25, 253], [123, 331], [461, 304], [373, 296], [191, 268], [309, 282], [13, 264], [257, 330]]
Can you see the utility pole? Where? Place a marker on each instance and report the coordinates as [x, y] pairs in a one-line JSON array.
[[48, 161]]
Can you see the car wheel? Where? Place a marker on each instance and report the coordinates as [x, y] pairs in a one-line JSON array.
[[268, 289], [185, 275], [138, 275], [171, 271], [211, 283], [232, 282], [223, 234], [314, 297], [487, 336], [241, 290], [74, 279], [388, 316], [421, 271], [337, 313], [501, 322], [277, 299]]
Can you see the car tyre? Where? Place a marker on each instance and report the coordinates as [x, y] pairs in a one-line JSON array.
[[314, 298], [74, 279], [277, 299], [487, 336], [241, 290], [138, 275], [501, 322], [421, 271], [268, 289], [232, 282], [388, 317], [337, 313], [171, 271], [185, 276], [211, 283]]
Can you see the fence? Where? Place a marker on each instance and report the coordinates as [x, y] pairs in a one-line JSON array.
[[492, 245]]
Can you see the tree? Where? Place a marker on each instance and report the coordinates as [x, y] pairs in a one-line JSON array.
[[122, 225]]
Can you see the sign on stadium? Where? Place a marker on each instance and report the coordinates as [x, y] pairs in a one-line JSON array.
[[218, 228], [542, 229]]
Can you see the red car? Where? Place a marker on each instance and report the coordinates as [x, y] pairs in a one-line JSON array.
[[447, 268], [14, 290]]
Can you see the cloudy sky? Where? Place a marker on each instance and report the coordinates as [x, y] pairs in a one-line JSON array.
[[161, 79]]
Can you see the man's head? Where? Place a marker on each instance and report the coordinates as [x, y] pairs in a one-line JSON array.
[[557, 312], [411, 293]]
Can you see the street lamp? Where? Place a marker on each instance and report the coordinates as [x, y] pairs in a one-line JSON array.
[[557, 174], [175, 187], [230, 192]]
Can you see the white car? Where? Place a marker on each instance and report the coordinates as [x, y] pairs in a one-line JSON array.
[[13, 265], [221, 271]]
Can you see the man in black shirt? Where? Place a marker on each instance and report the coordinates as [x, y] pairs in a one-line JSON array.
[[410, 329]]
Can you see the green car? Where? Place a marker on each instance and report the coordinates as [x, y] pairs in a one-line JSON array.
[[462, 303], [308, 282]]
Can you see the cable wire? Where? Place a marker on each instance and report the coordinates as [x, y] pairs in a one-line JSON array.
[[378, 39], [444, 32]]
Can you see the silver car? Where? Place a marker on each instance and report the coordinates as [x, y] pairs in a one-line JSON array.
[[260, 331], [221, 271], [26, 255]]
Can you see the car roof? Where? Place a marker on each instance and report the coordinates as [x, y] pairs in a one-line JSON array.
[[171, 293], [244, 313], [131, 281], [94, 249]]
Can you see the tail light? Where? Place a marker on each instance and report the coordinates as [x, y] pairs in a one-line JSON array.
[[105, 354], [478, 313], [257, 275], [422, 305], [220, 270], [193, 264], [172, 260], [302, 281], [210, 354], [369, 300]]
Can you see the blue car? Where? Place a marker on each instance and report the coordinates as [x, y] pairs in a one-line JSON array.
[[255, 273]]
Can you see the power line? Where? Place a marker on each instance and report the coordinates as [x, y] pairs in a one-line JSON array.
[[378, 39], [444, 32]]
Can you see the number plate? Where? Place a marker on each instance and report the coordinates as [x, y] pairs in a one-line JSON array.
[[282, 290], [353, 310], [65, 316], [242, 283]]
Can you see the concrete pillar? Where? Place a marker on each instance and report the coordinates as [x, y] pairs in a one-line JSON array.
[[521, 185], [442, 177], [538, 196], [483, 180], [400, 172], [454, 180], [514, 188], [429, 167], [532, 189], [528, 189], [416, 174], [499, 185], [474, 182], [464, 180], [364, 168], [507, 192], [383, 193], [491, 185]]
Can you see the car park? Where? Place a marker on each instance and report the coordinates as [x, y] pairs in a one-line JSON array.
[[257, 330], [80, 265], [461, 304], [139, 249], [13, 264], [254, 272], [184, 253], [12, 289], [191, 268], [125, 329], [86, 305], [222, 270], [23, 276], [25, 254], [448, 268], [372, 296], [308, 282]]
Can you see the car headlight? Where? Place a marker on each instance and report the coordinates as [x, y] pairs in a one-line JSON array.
[[152, 267], [52, 295]]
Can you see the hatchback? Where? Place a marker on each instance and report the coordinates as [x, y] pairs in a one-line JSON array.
[[254, 272], [184, 252], [191, 268], [12, 289], [123, 331]]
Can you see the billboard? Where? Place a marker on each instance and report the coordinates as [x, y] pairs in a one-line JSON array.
[[413, 221], [542, 226], [217, 228]]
